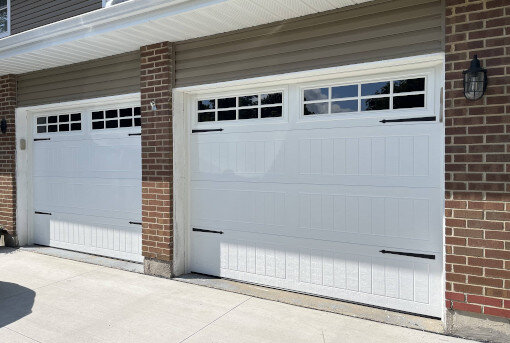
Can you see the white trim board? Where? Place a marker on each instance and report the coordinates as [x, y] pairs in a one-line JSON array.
[[24, 130]]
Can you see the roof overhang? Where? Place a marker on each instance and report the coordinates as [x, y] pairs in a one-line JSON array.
[[129, 25]]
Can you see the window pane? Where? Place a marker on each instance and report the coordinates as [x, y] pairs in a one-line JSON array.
[[409, 101], [98, 115], [344, 92], [137, 111], [206, 116], [63, 118], [111, 114], [344, 106], [126, 112], [98, 125], [206, 105], [375, 88], [41, 120], [52, 128], [112, 124], [76, 117], [76, 127], [227, 115], [63, 127], [316, 94], [271, 112], [138, 122], [409, 85], [3, 21], [249, 113], [319, 108], [252, 100], [41, 129], [3, 3], [126, 122], [269, 99], [52, 119], [375, 104], [226, 102]]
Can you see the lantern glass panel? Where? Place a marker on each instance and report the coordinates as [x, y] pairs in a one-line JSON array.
[[474, 85]]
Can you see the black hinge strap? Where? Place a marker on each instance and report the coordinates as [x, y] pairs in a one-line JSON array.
[[135, 223], [208, 231], [44, 213], [206, 130], [410, 254], [402, 120], [41, 139], [135, 134]]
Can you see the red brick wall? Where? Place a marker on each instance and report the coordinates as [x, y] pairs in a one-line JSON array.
[[478, 160], [8, 155], [156, 82]]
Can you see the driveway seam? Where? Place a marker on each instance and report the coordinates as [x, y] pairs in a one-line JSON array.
[[19, 333], [215, 320]]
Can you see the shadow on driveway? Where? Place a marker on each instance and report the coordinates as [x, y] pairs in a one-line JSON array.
[[15, 301]]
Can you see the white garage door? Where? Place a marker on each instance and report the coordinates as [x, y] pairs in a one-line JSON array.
[[332, 188], [87, 181]]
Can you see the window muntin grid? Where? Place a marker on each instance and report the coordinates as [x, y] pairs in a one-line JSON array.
[[364, 97], [231, 108], [58, 123], [116, 118]]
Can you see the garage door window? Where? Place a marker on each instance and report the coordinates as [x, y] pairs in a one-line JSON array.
[[363, 97], [58, 123], [251, 106], [116, 118]]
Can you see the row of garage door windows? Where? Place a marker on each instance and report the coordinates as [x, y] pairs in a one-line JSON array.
[[107, 119], [384, 95]]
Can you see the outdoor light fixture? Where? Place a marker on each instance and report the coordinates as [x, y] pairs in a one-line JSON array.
[[153, 106], [475, 80], [3, 126]]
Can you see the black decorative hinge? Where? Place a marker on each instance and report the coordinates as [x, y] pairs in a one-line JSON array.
[[403, 120], [43, 213], [135, 134], [208, 231], [410, 254], [135, 223], [41, 139], [206, 130]]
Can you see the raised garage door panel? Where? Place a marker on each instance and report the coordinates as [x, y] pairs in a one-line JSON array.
[[307, 203], [90, 182], [373, 31]]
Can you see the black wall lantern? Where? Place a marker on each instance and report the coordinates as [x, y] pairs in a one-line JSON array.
[[475, 80], [3, 126]]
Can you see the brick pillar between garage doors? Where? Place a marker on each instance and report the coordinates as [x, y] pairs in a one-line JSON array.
[[156, 83], [478, 161], [8, 159]]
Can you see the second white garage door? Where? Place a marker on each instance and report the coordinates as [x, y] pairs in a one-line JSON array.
[[330, 188], [87, 180]]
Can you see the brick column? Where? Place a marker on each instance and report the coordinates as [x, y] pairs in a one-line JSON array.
[[157, 79], [478, 160], [8, 159]]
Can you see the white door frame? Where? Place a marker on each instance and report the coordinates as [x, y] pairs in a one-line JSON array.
[[24, 164], [183, 106]]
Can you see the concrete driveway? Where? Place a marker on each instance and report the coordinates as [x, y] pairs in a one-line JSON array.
[[48, 299]]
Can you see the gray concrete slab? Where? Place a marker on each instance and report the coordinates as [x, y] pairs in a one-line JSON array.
[[51, 299]]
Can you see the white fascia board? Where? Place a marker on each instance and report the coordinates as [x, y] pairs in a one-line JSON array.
[[127, 14]]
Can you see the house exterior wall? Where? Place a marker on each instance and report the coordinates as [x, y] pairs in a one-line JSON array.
[[156, 83], [478, 160], [8, 158], [29, 14], [113, 75], [370, 32]]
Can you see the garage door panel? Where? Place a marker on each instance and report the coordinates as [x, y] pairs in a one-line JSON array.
[[117, 198], [363, 215], [329, 157], [352, 272]]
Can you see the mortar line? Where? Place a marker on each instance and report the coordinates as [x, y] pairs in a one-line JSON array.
[[215, 320]]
